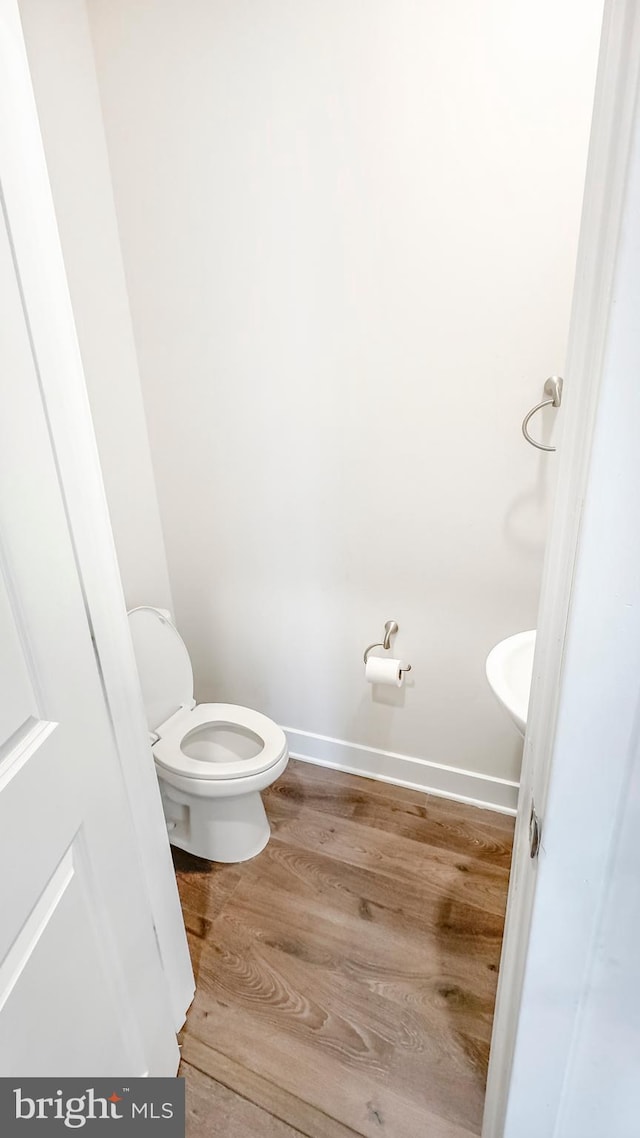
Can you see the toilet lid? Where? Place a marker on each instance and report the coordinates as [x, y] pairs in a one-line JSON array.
[[164, 667]]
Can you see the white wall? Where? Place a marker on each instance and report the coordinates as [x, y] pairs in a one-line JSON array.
[[349, 233], [63, 74]]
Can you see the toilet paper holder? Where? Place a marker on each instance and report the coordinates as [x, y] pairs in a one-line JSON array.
[[390, 629]]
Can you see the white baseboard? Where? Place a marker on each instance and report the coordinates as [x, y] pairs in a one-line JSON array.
[[482, 790]]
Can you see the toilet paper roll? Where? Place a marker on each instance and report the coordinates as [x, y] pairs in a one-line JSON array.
[[384, 670]]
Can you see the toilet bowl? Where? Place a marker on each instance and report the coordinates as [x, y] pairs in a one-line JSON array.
[[212, 759]]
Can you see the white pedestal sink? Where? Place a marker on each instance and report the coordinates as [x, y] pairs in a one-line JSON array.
[[509, 671]]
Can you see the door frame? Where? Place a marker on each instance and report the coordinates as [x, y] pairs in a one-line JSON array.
[[25, 193], [615, 118]]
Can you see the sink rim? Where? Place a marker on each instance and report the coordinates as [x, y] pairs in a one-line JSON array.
[[514, 699]]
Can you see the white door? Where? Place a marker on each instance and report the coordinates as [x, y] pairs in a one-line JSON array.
[[82, 989]]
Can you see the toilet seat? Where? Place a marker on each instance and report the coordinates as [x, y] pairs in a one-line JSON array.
[[175, 721], [169, 754], [212, 760]]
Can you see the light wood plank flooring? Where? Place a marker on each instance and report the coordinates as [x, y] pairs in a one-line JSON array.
[[346, 976]]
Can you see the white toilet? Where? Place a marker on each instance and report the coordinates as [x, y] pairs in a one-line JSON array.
[[212, 759]]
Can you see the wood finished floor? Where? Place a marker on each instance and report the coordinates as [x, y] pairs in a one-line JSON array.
[[346, 976]]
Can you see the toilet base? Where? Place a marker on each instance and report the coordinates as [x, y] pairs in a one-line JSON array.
[[229, 829]]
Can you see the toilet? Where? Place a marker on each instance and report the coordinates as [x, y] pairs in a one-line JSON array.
[[212, 759]]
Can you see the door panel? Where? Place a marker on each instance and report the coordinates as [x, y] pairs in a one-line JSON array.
[[74, 988], [17, 705], [82, 989]]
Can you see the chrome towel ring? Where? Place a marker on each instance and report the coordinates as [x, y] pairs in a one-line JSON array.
[[552, 387]]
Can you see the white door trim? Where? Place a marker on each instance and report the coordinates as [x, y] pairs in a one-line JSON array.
[[606, 182], [27, 193]]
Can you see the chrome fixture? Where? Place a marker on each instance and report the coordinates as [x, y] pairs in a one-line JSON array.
[[390, 629], [552, 387]]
